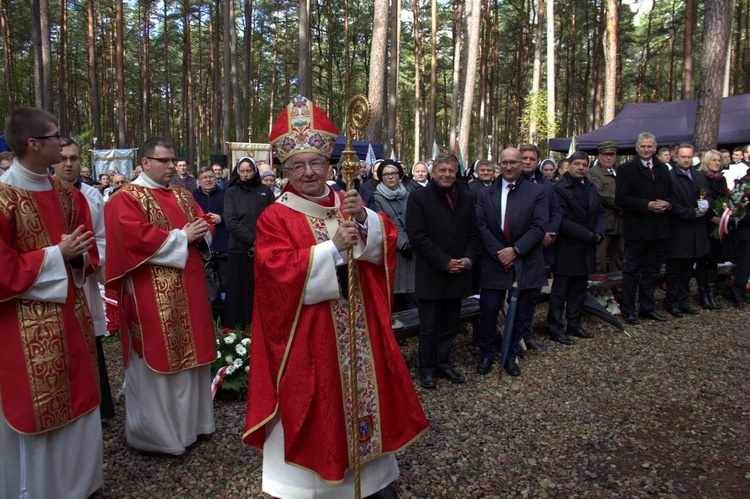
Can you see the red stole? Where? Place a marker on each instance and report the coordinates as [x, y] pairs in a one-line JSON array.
[[298, 365], [49, 374], [167, 317]]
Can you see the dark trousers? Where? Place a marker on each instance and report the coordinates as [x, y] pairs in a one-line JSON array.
[[490, 302], [677, 277], [741, 271], [640, 271], [240, 290], [527, 301], [439, 321], [568, 294], [106, 405]]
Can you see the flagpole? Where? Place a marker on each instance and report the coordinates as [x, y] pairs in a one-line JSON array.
[[357, 117]]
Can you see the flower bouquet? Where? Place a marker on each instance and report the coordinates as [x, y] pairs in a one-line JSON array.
[[732, 206], [607, 299], [231, 367]]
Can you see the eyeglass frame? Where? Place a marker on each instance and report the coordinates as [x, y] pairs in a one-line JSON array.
[[164, 161]]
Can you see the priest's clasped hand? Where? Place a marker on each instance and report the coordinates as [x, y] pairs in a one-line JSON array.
[[353, 206], [76, 243], [196, 230]]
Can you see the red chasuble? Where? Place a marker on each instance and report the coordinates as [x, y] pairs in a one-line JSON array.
[[299, 360], [49, 374], [167, 316]]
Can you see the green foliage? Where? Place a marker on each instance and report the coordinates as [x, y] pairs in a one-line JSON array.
[[536, 109]]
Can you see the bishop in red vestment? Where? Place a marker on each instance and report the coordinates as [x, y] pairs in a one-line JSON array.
[[49, 374], [299, 405], [154, 233]]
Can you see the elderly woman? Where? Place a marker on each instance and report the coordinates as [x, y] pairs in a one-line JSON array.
[[706, 270], [244, 200], [391, 197], [419, 176]]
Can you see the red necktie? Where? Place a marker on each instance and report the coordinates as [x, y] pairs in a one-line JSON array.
[[506, 221]]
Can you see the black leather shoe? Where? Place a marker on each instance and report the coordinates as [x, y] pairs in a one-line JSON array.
[[533, 345], [739, 305], [450, 375], [386, 493], [674, 311], [578, 331], [653, 316], [631, 319], [402, 343], [688, 310], [484, 366], [427, 381], [512, 368], [562, 339]]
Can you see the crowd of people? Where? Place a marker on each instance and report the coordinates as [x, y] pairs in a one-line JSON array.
[[301, 260]]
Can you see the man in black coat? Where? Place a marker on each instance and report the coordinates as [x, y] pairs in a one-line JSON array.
[[642, 190], [512, 216], [442, 227], [688, 238], [741, 260], [485, 170], [582, 227]]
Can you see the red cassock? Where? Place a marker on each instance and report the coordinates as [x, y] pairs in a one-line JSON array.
[[49, 374], [167, 316], [299, 353]]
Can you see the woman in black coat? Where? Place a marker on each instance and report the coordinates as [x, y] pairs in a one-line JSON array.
[[244, 200], [706, 270]]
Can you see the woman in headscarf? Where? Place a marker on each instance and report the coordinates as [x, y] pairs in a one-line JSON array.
[[246, 197], [391, 196]]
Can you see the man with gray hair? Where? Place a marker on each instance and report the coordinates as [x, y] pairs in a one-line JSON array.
[[642, 190]]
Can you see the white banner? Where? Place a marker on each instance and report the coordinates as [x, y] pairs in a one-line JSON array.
[[112, 161], [258, 151]]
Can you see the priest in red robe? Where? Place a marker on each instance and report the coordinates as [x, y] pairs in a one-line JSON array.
[[50, 432], [155, 231], [299, 404]]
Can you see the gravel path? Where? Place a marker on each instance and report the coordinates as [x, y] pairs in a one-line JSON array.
[[664, 412]]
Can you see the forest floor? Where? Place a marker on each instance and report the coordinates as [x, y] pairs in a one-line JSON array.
[[661, 412]]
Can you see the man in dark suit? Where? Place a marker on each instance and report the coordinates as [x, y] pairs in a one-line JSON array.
[[582, 227], [642, 190], [512, 218], [485, 171], [688, 239], [530, 162], [442, 227]]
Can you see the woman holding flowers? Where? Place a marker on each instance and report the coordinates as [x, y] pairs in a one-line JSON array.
[[706, 270]]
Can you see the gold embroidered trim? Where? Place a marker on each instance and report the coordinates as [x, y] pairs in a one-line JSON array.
[[169, 284]]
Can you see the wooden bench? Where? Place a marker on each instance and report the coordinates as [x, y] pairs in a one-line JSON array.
[[470, 306], [410, 318]]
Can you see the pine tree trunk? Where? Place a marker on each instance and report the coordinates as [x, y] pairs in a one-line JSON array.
[[377, 71], [305, 54], [610, 61], [394, 70], [715, 41], [457, 20], [433, 76], [417, 85], [120, 74], [473, 16], [688, 51]]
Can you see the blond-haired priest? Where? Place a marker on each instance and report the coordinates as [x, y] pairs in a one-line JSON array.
[[298, 406], [155, 232]]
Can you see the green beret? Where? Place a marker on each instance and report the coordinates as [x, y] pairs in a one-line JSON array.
[[607, 144]]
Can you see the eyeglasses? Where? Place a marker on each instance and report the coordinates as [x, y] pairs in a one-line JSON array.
[[55, 136], [164, 161], [509, 163], [315, 165], [72, 159], [390, 174]]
